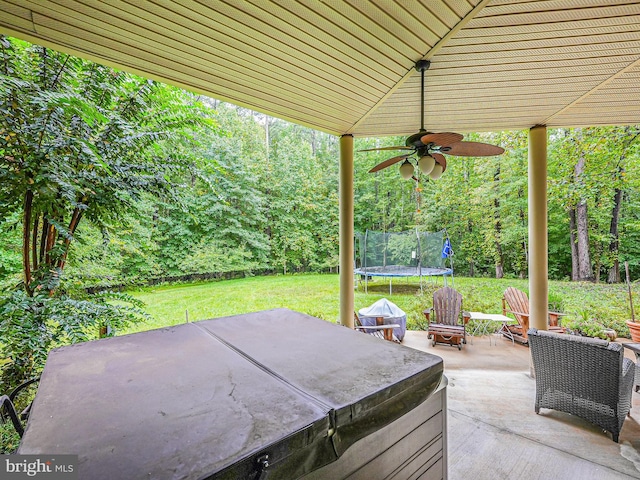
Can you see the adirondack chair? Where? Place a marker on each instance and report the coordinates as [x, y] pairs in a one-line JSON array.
[[518, 305], [447, 325]]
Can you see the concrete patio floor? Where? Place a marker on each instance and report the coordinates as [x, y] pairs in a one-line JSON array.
[[494, 433]]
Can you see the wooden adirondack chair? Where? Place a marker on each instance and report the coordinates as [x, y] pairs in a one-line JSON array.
[[447, 324], [518, 304]]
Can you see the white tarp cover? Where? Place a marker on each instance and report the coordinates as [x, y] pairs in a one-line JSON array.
[[391, 313]]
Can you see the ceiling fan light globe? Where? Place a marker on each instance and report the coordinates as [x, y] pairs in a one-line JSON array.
[[426, 164], [436, 172], [406, 170]]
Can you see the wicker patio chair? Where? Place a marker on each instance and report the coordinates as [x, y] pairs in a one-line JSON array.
[[518, 305], [583, 376], [447, 324]]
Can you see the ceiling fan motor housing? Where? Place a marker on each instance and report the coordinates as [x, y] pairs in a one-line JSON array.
[[422, 65], [414, 140]]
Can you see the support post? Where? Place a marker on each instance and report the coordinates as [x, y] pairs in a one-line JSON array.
[[538, 242], [346, 231]]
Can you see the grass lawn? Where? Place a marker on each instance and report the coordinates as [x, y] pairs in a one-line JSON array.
[[318, 295]]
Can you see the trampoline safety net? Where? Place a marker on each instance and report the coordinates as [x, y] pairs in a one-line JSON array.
[[401, 254]]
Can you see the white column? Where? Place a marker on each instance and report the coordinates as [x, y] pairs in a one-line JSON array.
[[538, 242], [346, 231]]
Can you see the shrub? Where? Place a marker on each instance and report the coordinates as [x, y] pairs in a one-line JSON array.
[[33, 325]]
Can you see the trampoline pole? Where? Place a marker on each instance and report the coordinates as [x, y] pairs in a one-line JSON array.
[[451, 260], [364, 261]]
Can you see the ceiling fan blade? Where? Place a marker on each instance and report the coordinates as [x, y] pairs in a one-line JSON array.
[[444, 138], [472, 149], [441, 160], [387, 148], [388, 162]]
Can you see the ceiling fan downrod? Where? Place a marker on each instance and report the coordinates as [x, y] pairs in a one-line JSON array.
[[422, 66]]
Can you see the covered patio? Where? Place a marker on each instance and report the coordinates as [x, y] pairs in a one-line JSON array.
[[346, 67], [494, 432]]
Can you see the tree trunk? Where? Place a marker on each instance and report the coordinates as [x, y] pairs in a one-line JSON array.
[[43, 238], [73, 225], [614, 272], [26, 235], [574, 244], [525, 250], [34, 242], [585, 270], [498, 227], [614, 244]]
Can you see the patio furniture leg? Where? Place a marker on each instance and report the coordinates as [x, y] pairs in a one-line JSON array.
[[506, 332]]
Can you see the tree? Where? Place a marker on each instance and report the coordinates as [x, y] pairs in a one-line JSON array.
[[626, 140], [383, 200], [79, 140], [220, 227], [301, 191]]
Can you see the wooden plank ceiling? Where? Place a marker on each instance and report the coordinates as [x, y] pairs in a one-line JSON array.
[[346, 66]]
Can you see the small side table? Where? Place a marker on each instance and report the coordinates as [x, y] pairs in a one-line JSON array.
[[635, 348], [484, 320]]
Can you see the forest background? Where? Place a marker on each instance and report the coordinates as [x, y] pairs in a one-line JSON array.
[[264, 198]]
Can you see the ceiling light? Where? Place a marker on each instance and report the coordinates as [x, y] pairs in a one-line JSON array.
[[406, 170], [426, 164], [436, 172]]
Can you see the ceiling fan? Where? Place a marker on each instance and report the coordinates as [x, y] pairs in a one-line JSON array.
[[427, 149]]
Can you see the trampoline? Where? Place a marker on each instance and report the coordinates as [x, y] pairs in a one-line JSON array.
[[403, 254]]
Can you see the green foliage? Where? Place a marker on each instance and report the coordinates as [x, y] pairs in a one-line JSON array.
[[383, 200], [80, 140], [243, 212], [9, 438], [167, 184], [556, 302], [33, 325], [301, 200], [482, 202], [10, 259]]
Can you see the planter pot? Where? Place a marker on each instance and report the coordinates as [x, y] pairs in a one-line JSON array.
[[634, 328]]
